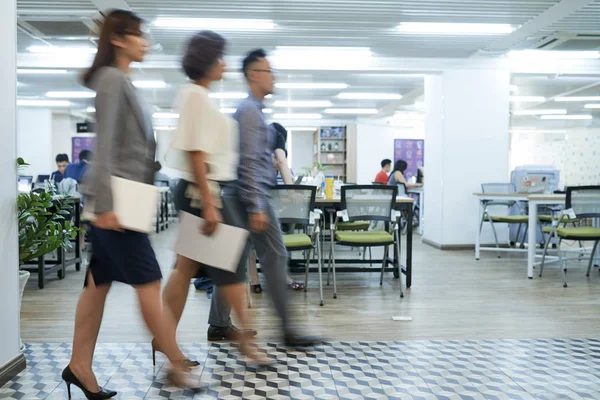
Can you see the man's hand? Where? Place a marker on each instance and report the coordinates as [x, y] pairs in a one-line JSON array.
[[259, 222], [212, 219], [107, 221]]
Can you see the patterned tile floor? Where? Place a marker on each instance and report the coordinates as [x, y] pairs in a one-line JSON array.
[[471, 369]]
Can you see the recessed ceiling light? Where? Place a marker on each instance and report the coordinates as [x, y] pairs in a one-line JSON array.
[[302, 104], [567, 117], [30, 71], [577, 98], [437, 28], [553, 54], [217, 24], [540, 112], [228, 95], [369, 96], [165, 115], [310, 85], [297, 116], [71, 95], [351, 111], [43, 103], [592, 106], [62, 50], [527, 99], [150, 84]]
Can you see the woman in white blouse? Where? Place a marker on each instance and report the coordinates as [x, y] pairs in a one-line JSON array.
[[205, 149]]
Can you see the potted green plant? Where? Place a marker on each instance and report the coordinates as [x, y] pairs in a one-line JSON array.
[[43, 225]]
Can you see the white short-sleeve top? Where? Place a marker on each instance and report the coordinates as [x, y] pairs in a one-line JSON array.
[[203, 127]]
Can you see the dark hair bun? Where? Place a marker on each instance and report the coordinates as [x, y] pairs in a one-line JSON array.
[[201, 53]]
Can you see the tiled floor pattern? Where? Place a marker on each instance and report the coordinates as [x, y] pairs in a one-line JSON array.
[[471, 369]]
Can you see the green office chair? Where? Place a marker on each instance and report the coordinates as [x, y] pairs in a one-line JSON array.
[[502, 188], [582, 202], [295, 204], [366, 203]]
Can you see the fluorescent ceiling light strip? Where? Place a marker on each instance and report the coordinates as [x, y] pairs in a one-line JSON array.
[[527, 99], [297, 116], [567, 117], [419, 105], [62, 50], [165, 128], [43, 103], [364, 111], [29, 71], [71, 95], [302, 128], [302, 104], [267, 111], [322, 51], [436, 28], [540, 112], [226, 110], [228, 95], [534, 130], [310, 85], [513, 88], [90, 109], [592, 106], [369, 96], [165, 115], [577, 98], [149, 84], [409, 116], [554, 54], [227, 24]]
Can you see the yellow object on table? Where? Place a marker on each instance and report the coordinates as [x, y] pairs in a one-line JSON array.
[[329, 187]]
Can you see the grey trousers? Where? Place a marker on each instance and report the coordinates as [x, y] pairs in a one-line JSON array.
[[273, 258]]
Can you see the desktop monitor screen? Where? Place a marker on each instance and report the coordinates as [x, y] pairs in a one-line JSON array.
[[24, 183]]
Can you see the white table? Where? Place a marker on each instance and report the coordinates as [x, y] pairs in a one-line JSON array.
[[421, 194], [533, 202]]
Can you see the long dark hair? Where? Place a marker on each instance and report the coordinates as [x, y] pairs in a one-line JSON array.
[[116, 23], [401, 166]]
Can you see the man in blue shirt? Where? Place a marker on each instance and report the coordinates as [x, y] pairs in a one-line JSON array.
[[256, 179], [77, 170], [62, 162]]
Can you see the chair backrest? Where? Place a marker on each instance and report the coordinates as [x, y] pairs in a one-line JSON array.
[[402, 190], [293, 203], [584, 200], [369, 202], [498, 188]]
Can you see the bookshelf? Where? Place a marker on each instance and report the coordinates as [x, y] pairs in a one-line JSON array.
[[330, 149]]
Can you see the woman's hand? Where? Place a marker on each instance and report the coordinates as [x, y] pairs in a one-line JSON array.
[[212, 218], [108, 221]]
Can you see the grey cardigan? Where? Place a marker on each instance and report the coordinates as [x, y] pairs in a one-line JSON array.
[[125, 145]]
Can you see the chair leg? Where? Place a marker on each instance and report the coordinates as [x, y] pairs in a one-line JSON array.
[[329, 264], [308, 256], [592, 258], [525, 236], [563, 264], [544, 253], [517, 239], [385, 256], [333, 271], [495, 237], [399, 264], [320, 264], [370, 257]]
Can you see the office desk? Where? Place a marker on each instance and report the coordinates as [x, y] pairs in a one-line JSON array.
[[402, 204], [533, 201], [421, 199]]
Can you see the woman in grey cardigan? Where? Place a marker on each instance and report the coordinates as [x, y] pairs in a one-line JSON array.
[[125, 148]]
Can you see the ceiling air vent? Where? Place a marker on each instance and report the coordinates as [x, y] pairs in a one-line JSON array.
[[562, 41]]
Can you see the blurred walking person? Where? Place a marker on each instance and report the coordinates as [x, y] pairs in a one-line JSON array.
[[126, 149]]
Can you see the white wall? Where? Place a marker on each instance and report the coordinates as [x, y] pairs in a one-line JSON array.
[[9, 283], [375, 142], [302, 150], [63, 130], [467, 131], [34, 133]]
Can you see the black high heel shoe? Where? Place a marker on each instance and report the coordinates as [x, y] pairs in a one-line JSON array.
[[187, 362], [70, 379]]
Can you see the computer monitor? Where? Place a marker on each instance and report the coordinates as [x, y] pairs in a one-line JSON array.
[[43, 178], [299, 179], [24, 183]]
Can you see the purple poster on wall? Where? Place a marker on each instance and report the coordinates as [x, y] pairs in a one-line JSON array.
[[82, 143], [411, 151]]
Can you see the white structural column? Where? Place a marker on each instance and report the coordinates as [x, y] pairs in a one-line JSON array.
[[9, 281], [466, 144]]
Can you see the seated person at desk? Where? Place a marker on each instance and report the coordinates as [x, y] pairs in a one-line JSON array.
[[397, 176], [62, 161], [77, 171], [382, 176], [420, 176]]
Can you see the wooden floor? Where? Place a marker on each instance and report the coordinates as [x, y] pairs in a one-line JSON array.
[[453, 297]]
